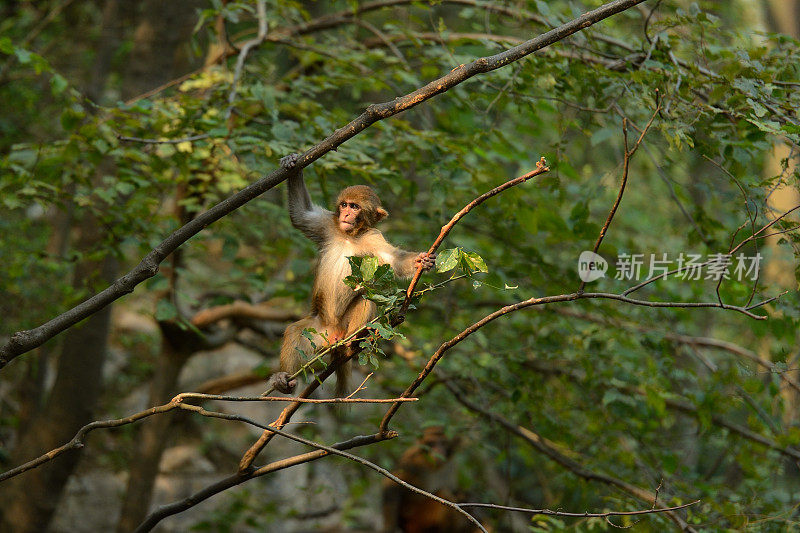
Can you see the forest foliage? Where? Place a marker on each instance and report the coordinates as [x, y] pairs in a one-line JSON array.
[[687, 403]]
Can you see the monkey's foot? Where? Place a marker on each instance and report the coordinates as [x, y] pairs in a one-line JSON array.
[[289, 161], [282, 383]]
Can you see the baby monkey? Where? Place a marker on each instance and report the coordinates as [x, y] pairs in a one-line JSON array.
[[336, 309]]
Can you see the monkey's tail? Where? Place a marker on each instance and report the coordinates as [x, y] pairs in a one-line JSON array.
[[342, 379]]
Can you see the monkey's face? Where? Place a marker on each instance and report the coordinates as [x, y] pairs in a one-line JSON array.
[[349, 216]]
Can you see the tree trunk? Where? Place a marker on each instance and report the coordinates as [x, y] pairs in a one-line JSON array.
[[31, 499], [151, 441], [160, 54]]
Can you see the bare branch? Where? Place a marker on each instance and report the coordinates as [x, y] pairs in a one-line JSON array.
[[246, 462], [236, 479], [261, 13], [182, 397], [705, 342], [755, 236], [178, 402], [625, 168], [677, 404], [158, 515], [549, 512], [436, 357]]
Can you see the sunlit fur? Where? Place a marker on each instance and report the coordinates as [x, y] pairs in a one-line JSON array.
[[336, 309]]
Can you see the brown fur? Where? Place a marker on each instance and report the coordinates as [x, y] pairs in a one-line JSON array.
[[363, 195], [425, 465]]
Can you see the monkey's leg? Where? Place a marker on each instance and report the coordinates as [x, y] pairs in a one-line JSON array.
[[294, 342]]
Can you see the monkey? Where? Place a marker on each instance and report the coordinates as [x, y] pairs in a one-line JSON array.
[[426, 465], [336, 309]]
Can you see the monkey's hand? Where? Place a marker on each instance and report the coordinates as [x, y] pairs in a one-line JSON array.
[[426, 260], [282, 383], [289, 161]]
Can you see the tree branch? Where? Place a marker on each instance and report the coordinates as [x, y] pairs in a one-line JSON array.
[[706, 342], [436, 357], [541, 168], [178, 402], [625, 168], [261, 13], [676, 404], [549, 512]]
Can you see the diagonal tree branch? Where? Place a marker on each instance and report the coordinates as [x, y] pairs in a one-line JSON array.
[[24, 341], [676, 404], [531, 302], [154, 518]]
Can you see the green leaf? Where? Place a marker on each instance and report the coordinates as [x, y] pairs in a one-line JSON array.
[[368, 267], [6, 46], [70, 119], [58, 84], [447, 260], [384, 331], [23, 56], [475, 262]]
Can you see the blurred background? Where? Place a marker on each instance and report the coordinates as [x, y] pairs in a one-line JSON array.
[[594, 405]]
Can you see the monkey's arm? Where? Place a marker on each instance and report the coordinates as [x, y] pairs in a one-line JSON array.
[[403, 263], [314, 221]]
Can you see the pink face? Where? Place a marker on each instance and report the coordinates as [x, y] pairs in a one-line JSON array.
[[348, 215]]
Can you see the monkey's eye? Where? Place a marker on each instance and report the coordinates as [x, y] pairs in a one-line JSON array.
[[343, 204]]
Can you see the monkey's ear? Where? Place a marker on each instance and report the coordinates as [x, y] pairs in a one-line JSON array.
[[380, 214]]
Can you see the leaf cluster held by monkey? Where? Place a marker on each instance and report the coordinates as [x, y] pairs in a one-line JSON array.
[[337, 310]]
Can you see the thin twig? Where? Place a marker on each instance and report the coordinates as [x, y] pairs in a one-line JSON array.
[[542, 445], [182, 397], [444, 347], [755, 236], [676, 404], [154, 518], [361, 386], [163, 141], [549, 512], [246, 462], [705, 342], [625, 168], [261, 13], [178, 402]]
